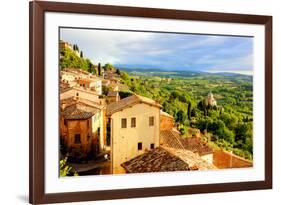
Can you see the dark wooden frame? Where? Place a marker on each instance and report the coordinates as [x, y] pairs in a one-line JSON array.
[[37, 95]]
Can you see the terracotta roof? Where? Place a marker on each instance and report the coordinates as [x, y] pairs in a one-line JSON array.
[[172, 139], [72, 100], [156, 160], [196, 144], [78, 111], [112, 93], [75, 70], [123, 87], [64, 87], [88, 80], [165, 114], [129, 101], [193, 160], [78, 88]]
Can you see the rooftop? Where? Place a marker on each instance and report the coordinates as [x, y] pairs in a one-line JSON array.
[[72, 100], [165, 114], [193, 160], [79, 111], [64, 86], [172, 139], [156, 160], [75, 71], [112, 93], [88, 80], [130, 101]]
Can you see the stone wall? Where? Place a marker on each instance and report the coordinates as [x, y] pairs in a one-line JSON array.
[[69, 128], [223, 159], [166, 122]]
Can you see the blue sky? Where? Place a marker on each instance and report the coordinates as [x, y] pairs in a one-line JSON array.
[[164, 51]]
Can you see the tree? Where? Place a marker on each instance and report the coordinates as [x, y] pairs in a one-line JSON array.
[[180, 116], [243, 131], [189, 111], [108, 67], [229, 119], [124, 94], [99, 69], [65, 169], [175, 94], [124, 76], [118, 72], [182, 130], [81, 54]]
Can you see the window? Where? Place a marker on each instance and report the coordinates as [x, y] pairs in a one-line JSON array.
[[123, 123], [152, 146], [133, 122], [151, 121], [139, 146], [77, 139], [77, 94]]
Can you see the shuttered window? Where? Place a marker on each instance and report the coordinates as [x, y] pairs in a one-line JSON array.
[[133, 122], [151, 121], [123, 123]]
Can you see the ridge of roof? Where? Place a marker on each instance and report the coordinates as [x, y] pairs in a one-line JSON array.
[[78, 111], [130, 101]]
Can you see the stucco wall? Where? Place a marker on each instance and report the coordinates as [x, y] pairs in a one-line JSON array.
[[125, 140]]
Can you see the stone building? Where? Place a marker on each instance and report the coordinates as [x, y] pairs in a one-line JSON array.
[[210, 100], [112, 96], [64, 45], [92, 84], [82, 127], [133, 128], [166, 121]]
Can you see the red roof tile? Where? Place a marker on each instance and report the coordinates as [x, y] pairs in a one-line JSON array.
[[156, 160]]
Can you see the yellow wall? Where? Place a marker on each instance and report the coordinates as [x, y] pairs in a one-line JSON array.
[[98, 122], [124, 141]]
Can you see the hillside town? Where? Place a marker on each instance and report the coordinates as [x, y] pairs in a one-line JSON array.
[[102, 132]]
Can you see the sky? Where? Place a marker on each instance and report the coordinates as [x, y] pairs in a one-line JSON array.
[[167, 51]]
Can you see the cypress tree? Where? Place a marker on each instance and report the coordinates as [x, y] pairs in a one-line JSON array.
[[189, 111], [99, 69]]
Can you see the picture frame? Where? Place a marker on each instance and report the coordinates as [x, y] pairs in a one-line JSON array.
[[37, 91]]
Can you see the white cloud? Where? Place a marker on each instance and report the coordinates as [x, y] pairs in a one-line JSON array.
[[103, 46]]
